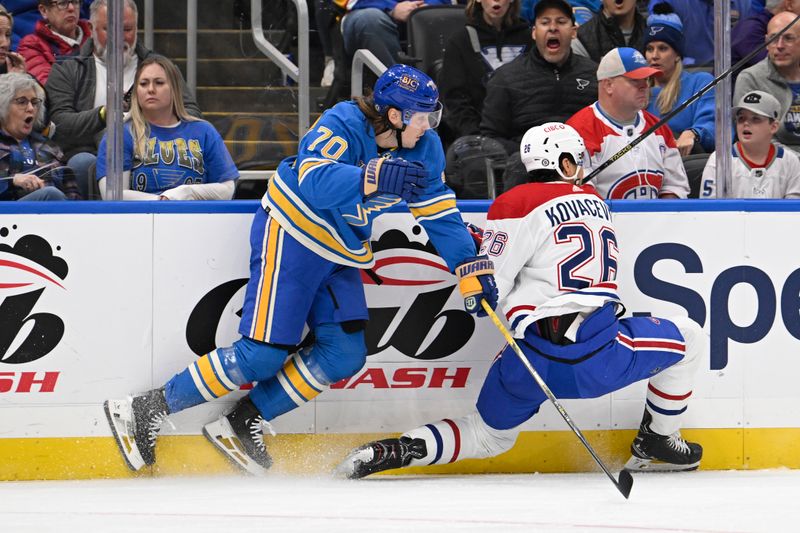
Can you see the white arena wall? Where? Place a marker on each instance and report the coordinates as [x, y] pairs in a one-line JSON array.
[[99, 300]]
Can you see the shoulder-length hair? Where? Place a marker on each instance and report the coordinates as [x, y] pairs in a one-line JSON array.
[[668, 97], [379, 121], [10, 85], [139, 125], [474, 12]]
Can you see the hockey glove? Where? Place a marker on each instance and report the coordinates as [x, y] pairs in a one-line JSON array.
[[476, 282], [477, 235], [393, 176]]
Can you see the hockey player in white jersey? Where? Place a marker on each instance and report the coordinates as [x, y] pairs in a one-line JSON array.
[[556, 257], [760, 168]]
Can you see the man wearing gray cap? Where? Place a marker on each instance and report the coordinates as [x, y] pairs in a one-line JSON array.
[[652, 169], [760, 168]]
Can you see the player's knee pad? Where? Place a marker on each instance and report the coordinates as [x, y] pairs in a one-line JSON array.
[[337, 353], [696, 340], [253, 360]]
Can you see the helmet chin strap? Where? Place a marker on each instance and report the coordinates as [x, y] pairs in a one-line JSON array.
[[574, 177], [398, 131]]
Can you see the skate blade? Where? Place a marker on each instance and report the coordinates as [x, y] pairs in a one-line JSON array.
[[220, 434], [118, 414], [637, 464], [353, 465]]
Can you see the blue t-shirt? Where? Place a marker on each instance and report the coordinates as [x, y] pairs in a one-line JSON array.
[[791, 121], [191, 152]]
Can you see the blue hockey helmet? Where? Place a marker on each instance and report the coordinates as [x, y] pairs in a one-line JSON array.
[[410, 91]]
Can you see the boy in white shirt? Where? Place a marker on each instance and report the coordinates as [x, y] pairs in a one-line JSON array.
[[760, 167]]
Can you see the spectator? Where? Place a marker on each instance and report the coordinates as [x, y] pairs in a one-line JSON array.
[[76, 90], [59, 34], [494, 35], [618, 24], [9, 61], [26, 14], [377, 25], [583, 9], [547, 84], [654, 169], [778, 75], [25, 156], [664, 48], [760, 168], [168, 154], [698, 22]]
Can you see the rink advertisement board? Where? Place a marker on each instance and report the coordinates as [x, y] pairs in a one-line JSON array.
[[98, 301]]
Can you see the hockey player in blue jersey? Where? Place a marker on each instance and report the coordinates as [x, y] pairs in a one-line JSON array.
[[556, 254], [308, 243]]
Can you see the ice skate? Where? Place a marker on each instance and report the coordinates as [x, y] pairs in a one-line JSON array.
[[379, 456], [135, 422], [240, 436], [651, 452]]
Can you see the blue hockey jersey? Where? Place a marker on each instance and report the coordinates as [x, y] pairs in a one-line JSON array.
[[316, 195]]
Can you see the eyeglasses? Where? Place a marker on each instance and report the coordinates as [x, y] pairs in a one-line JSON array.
[[22, 101], [64, 4], [788, 38]]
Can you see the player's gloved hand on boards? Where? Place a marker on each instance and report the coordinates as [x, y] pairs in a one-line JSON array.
[[476, 282], [476, 233], [404, 178]]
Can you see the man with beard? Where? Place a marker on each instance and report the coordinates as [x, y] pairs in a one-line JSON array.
[[76, 90], [547, 84]]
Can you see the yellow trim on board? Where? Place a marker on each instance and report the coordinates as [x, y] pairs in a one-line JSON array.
[[549, 451]]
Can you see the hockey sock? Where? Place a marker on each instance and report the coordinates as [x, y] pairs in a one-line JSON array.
[[669, 391], [468, 437], [299, 381], [211, 376]]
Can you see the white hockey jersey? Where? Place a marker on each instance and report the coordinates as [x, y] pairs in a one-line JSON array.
[[653, 167], [554, 249], [779, 177]]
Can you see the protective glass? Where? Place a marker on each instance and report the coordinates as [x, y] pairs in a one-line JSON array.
[[422, 119]]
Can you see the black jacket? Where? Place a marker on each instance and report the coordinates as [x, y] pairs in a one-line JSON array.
[[602, 33], [464, 74], [70, 101], [529, 91]]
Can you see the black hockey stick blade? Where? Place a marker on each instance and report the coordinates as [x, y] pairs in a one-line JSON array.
[[625, 483]]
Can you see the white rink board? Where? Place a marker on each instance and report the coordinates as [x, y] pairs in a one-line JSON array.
[[135, 279]]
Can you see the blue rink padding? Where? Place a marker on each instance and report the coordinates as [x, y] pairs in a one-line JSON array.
[[465, 206]]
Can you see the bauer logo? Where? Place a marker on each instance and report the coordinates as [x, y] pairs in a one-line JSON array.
[[28, 268]]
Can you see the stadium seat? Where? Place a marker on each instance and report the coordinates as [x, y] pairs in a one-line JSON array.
[[694, 165], [429, 28]]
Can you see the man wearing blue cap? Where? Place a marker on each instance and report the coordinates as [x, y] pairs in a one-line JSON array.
[[654, 168]]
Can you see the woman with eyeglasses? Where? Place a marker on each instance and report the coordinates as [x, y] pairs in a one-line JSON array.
[[58, 35], [664, 49], [9, 61], [168, 154], [30, 165]]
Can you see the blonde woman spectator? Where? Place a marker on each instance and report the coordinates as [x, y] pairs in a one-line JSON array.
[[168, 154], [664, 49]]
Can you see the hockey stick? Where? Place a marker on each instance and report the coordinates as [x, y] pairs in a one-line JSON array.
[[625, 482], [666, 118]]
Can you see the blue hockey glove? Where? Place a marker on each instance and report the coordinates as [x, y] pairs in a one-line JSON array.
[[394, 176], [477, 235], [476, 283]]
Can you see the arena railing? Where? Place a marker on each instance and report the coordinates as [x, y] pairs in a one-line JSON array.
[[363, 58]]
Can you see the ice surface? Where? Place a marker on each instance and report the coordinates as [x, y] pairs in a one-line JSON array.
[[686, 502]]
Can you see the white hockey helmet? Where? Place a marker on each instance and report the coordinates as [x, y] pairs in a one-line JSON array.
[[543, 147]]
